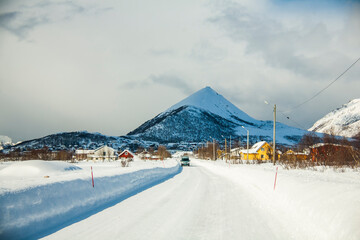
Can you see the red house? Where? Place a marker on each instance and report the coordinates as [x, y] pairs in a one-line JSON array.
[[126, 154], [323, 152]]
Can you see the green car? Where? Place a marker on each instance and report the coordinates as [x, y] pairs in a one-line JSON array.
[[185, 161]]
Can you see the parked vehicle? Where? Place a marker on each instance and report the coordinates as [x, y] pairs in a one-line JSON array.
[[185, 161]]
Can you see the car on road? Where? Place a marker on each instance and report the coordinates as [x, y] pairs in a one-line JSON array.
[[185, 161]]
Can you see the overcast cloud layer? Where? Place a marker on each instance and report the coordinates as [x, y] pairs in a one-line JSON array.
[[108, 66]]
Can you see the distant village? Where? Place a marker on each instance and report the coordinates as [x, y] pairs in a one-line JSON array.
[[311, 150]]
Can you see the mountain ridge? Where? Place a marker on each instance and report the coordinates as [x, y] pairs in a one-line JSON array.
[[343, 121]]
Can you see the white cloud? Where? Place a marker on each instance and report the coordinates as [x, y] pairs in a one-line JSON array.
[[88, 68]]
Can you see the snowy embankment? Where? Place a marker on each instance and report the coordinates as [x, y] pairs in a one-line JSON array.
[[38, 197], [321, 204]]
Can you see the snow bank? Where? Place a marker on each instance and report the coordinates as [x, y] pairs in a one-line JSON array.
[[35, 168], [37, 208], [310, 204]]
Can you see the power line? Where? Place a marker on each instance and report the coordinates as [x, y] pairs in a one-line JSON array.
[[299, 105], [288, 118]]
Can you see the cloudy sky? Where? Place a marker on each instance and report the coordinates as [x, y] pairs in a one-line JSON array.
[[108, 66]]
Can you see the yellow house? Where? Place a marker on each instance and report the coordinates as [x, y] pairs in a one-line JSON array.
[[259, 151]]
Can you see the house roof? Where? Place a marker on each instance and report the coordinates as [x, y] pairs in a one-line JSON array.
[[235, 149], [126, 150], [255, 148]]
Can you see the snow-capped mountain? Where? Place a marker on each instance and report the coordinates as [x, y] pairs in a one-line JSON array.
[[201, 117], [344, 121], [5, 140], [205, 115]]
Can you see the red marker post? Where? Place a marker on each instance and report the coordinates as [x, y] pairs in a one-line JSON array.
[[275, 178], [92, 177]]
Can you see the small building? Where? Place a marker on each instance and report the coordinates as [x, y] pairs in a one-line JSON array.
[[235, 153], [126, 154], [259, 151], [144, 155], [295, 156]]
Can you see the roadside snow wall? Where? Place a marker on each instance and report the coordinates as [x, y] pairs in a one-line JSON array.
[[32, 212]]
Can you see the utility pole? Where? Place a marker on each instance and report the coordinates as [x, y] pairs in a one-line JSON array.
[[247, 142], [274, 145], [230, 150], [214, 149], [225, 151]]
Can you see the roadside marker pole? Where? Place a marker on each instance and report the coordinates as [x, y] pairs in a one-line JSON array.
[[275, 178], [92, 177]]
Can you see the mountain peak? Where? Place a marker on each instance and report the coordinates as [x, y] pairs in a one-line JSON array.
[[209, 100]]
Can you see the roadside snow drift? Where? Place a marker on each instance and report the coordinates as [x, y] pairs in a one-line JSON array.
[[29, 208]]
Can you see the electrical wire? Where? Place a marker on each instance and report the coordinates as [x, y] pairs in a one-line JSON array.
[[318, 93]]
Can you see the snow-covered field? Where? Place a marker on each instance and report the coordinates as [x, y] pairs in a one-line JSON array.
[[315, 204], [209, 200], [38, 196]]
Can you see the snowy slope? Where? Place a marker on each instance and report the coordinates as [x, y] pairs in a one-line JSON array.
[[207, 114], [344, 121], [209, 100], [32, 204]]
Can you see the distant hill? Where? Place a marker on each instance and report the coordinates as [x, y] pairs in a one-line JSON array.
[[76, 140], [344, 121]]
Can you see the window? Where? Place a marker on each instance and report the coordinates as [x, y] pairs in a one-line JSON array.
[[126, 153], [262, 149], [104, 153], [262, 156]]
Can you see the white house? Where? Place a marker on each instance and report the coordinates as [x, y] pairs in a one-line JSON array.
[[101, 153]]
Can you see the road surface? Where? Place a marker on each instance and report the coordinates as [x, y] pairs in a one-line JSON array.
[[195, 204]]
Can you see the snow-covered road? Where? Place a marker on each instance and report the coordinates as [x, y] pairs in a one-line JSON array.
[[195, 204]]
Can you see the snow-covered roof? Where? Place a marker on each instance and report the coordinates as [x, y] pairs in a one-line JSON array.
[[82, 151], [236, 149], [255, 148], [328, 144], [258, 145]]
